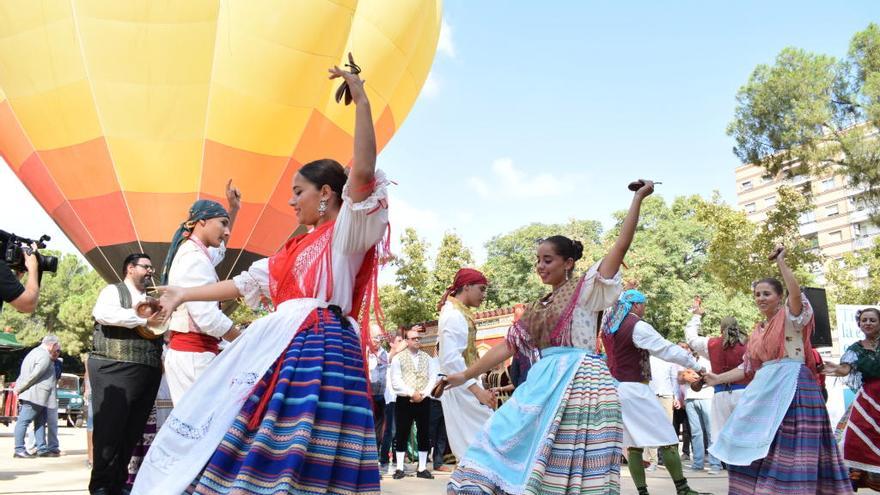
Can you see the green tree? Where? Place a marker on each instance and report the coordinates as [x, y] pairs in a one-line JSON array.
[[510, 259], [65, 306], [451, 256], [843, 285], [409, 300], [808, 111]]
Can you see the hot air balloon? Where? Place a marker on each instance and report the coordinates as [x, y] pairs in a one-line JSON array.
[[118, 115]]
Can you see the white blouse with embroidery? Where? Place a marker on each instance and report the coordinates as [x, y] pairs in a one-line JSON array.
[[359, 226], [597, 294]]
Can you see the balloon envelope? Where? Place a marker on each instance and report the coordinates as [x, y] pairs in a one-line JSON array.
[[118, 115]]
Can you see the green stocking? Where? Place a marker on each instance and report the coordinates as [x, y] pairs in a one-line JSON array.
[[672, 461], [636, 468]]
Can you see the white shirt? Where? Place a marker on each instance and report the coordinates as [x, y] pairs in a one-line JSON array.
[[108, 311], [193, 268], [597, 294], [664, 377], [400, 386], [698, 344], [645, 337], [359, 226], [453, 329], [707, 392]]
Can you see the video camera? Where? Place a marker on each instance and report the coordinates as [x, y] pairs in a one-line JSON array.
[[13, 249]]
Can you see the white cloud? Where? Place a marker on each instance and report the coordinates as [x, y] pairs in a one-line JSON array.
[[431, 86], [445, 45], [513, 182]]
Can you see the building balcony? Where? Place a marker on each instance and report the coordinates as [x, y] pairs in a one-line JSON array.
[[863, 242], [860, 215], [808, 228]]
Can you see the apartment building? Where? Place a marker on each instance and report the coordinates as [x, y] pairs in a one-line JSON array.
[[838, 223]]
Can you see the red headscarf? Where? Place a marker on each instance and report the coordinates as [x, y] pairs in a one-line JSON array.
[[465, 276]]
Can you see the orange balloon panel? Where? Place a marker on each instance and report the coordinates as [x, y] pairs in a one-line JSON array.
[[118, 115]]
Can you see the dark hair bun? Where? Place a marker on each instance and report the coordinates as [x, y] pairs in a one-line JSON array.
[[577, 250]]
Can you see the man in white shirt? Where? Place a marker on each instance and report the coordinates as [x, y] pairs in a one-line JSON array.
[[467, 408], [197, 327], [698, 406], [124, 373], [413, 376], [629, 341]]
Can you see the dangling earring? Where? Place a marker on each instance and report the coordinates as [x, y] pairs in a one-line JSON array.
[[322, 207], [567, 275]]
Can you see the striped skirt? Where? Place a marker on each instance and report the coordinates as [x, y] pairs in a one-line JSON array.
[[861, 445], [803, 458], [530, 448], [307, 428]]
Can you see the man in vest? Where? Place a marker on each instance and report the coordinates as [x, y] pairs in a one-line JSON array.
[[629, 342], [724, 353], [466, 408], [412, 376], [197, 327], [124, 373]]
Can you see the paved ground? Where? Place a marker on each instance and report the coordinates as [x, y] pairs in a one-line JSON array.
[[68, 474]]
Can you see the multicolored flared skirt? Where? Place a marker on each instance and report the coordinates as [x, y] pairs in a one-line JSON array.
[[861, 444], [803, 458], [559, 433], [307, 428]]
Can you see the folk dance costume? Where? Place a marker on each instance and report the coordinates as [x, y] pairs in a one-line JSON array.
[[560, 431], [629, 342], [861, 441], [195, 327], [294, 383], [124, 374], [464, 414], [412, 372], [778, 439], [724, 354]]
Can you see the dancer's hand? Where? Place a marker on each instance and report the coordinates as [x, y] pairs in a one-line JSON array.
[[233, 196], [778, 253], [171, 298], [832, 369], [455, 380], [486, 397], [355, 84], [646, 190], [711, 379], [416, 397]]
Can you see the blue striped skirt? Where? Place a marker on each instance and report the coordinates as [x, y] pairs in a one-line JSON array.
[[803, 457], [314, 434]]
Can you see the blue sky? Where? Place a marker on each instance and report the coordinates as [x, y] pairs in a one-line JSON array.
[[543, 111]]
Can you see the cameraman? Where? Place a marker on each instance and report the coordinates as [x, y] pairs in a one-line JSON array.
[[22, 297]]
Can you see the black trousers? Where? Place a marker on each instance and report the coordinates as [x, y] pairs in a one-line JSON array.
[[122, 396], [405, 412], [438, 432], [379, 418], [683, 428]]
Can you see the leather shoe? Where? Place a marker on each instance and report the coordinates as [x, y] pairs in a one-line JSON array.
[[49, 454], [23, 455], [425, 474], [399, 474]]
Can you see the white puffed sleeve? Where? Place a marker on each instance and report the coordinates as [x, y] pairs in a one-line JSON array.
[[599, 292], [361, 225], [253, 283], [800, 321]]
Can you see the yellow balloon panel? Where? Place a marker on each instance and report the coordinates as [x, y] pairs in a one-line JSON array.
[[119, 114]]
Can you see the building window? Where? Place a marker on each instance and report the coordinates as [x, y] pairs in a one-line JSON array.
[[769, 201], [812, 240], [864, 230], [766, 179], [835, 236], [828, 184], [807, 217], [832, 210], [750, 208], [746, 185]]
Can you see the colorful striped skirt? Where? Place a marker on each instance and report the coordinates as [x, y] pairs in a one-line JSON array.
[[307, 428], [803, 457], [861, 445], [559, 433]]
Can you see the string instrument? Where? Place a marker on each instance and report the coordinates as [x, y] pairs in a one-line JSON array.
[[146, 309]]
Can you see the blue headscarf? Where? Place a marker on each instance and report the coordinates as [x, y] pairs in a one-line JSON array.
[[202, 209], [613, 318]]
